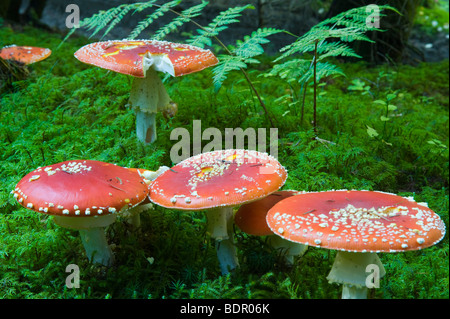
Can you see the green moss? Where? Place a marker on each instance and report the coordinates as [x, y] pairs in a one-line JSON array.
[[68, 110]]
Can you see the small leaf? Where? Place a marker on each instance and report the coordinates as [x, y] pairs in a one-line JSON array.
[[371, 131], [379, 102], [391, 96], [392, 107], [384, 118]]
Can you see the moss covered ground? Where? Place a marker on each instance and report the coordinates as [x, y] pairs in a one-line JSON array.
[[67, 110]]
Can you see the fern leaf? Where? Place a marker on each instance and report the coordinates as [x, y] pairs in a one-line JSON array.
[[106, 18], [143, 24], [347, 27], [119, 17], [243, 55], [323, 69], [290, 70], [218, 24], [335, 49], [183, 18], [141, 6], [227, 64], [251, 46]]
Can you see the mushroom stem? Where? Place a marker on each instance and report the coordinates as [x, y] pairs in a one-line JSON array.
[[289, 249], [351, 270], [134, 214], [146, 126], [92, 233], [220, 227], [148, 95], [352, 292], [217, 222], [96, 246]]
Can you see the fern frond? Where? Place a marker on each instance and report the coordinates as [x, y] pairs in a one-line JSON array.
[[290, 70], [106, 17], [356, 18], [119, 16], [251, 46], [143, 24], [324, 69], [183, 18], [89, 23], [301, 71], [227, 64], [242, 55], [347, 26], [335, 49], [141, 6], [218, 24]]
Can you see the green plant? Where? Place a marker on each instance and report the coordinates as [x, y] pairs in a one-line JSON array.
[[327, 39], [360, 86], [385, 118]]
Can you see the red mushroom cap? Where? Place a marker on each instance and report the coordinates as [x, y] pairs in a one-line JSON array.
[[357, 221], [80, 188], [127, 56], [24, 54], [218, 179], [251, 217]]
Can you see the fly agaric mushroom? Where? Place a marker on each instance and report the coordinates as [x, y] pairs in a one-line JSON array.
[[142, 59], [251, 219], [85, 195], [216, 182], [359, 224], [24, 54]]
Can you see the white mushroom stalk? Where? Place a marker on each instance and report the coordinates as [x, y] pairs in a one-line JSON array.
[[356, 272], [148, 96], [220, 228], [92, 233]]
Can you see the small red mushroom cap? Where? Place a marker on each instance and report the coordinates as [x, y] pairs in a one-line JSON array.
[[81, 188], [356, 221], [218, 179], [127, 56], [251, 217], [24, 54]]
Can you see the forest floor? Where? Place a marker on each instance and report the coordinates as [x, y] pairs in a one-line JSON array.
[[68, 110]]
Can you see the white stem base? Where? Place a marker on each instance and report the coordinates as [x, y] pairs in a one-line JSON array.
[[135, 221], [96, 246], [356, 272], [352, 292], [227, 255], [148, 96], [133, 215], [220, 227], [146, 127], [92, 232]]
